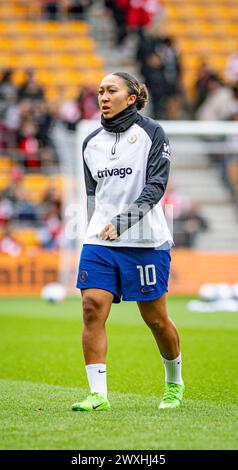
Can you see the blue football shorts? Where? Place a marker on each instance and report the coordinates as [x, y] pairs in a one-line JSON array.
[[138, 274]]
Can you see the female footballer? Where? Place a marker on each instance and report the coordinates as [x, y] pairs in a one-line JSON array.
[[126, 250]]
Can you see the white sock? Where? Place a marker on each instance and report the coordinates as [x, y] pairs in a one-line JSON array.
[[173, 370], [97, 378]]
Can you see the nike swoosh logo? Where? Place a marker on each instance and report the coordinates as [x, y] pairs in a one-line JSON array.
[[102, 371], [145, 291], [95, 407]]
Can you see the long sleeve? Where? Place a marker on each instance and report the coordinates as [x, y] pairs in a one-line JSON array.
[[157, 173], [90, 184]]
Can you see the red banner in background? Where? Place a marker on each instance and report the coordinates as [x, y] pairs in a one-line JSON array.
[[25, 275], [190, 269]]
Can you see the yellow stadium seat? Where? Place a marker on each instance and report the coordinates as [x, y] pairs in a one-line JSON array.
[[17, 28], [35, 186], [48, 29], [77, 27], [44, 75], [190, 61], [57, 181], [52, 93], [9, 12], [5, 44], [24, 44], [27, 236], [224, 12], [218, 61], [91, 78], [79, 44], [8, 60], [4, 181], [26, 60], [87, 61], [62, 53], [19, 76], [231, 29], [186, 44], [5, 164]]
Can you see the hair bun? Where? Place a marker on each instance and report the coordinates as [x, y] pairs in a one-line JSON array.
[[135, 88], [142, 97]]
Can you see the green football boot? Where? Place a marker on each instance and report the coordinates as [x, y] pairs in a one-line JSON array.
[[94, 402], [172, 397]]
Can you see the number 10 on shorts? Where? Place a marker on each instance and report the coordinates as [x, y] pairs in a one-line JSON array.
[[147, 274]]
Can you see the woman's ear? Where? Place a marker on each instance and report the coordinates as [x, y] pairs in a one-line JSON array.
[[131, 99]]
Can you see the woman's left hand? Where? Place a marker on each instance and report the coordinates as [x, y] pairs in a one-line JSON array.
[[109, 232]]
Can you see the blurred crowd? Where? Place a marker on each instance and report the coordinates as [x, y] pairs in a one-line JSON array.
[[27, 118], [133, 15], [55, 10], [159, 63], [26, 123], [186, 220]]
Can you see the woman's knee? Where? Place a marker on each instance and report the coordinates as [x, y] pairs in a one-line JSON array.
[[93, 308], [158, 324]]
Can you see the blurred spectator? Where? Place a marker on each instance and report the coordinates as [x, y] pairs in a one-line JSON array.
[[202, 84], [234, 105], [15, 113], [51, 231], [119, 10], [229, 161], [132, 15], [141, 12], [153, 41], [52, 196], [186, 217], [159, 63], [51, 9], [6, 209], [30, 88], [24, 211], [9, 110], [179, 202], [158, 86], [84, 106], [5, 136], [171, 58], [8, 243], [28, 144], [188, 225], [77, 9], [231, 71], [88, 103], [44, 120], [6, 84], [16, 178], [70, 114], [219, 102]]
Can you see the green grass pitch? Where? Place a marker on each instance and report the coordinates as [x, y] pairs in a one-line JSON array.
[[42, 374]]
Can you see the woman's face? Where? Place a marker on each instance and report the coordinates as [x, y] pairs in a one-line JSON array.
[[113, 96]]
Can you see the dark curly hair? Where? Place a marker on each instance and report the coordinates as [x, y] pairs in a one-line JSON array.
[[135, 88]]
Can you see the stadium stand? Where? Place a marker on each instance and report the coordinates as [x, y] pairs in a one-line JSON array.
[[49, 47], [52, 67], [30, 42], [203, 30]]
